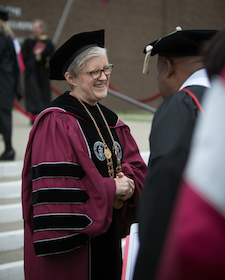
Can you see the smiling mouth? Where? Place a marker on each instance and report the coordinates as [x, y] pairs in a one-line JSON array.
[[100, 86]]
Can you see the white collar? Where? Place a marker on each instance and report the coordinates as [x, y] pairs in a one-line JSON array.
[[198, 78]]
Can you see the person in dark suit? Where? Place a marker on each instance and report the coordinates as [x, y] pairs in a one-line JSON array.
[[194, 246], [182, 80], [10, 83]]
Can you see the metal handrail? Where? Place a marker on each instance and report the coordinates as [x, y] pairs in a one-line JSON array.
[[131, 100]]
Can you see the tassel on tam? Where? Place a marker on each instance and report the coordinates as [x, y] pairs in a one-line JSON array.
[[147, 59]]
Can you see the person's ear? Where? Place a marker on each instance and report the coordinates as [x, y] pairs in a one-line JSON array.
[[169, 67], [70, 79]]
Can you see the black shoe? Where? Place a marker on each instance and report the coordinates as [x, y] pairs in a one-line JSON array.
[[10, 155]]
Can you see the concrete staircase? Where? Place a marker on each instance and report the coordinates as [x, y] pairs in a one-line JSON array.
[[11, 224]]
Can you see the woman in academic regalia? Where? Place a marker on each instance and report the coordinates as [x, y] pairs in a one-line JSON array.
[[83, 173]]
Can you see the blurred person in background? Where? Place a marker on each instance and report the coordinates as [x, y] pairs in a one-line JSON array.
[[37, 51], [83, 173], [214, 55], [9, 83]]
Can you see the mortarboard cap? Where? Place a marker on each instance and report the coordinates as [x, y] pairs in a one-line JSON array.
[[63, 57], [177, 44], [4, 14]]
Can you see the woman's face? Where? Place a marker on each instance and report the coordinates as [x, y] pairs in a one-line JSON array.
[[88, 89]]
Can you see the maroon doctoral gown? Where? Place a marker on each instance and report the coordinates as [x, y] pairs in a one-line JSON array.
[[72, 230]]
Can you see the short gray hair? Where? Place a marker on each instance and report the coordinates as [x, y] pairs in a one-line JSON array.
[[78, 63]]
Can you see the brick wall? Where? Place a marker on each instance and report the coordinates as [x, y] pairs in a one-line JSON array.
[[130, 25]]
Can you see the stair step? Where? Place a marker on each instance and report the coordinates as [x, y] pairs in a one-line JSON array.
[[10, 212], [12, 271], [11, 178], [11, 256], [11, 226], [11, 169], [4, 201], [11, 189], [11, 240]]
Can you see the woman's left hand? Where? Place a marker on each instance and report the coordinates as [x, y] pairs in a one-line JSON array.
[[129, 191]]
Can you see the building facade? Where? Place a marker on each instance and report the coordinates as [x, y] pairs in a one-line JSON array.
[[129, 26]]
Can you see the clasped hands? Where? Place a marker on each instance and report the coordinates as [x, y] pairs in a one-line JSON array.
[[124, 187]]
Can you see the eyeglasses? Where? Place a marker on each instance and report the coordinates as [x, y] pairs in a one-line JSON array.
[[95, 74]]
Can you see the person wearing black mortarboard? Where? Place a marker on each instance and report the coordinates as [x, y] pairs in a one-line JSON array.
[[195, 243], [9, 83], [182, 80], [82, 174]]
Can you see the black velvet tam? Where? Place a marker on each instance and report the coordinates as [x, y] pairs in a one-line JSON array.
[[63, 57]]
